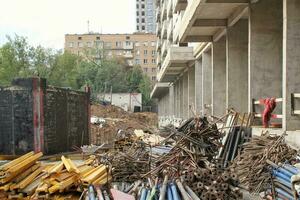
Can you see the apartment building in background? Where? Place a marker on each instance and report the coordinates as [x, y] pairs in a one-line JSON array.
[[145, 16], [135, 49]]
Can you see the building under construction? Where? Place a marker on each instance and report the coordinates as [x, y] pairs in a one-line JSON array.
[[215, 55]]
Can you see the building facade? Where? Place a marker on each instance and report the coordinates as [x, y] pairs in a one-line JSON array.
[[136, 49], [216, 55], [145, 16], [126, 101]]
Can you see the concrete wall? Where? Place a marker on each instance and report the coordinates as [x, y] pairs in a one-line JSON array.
[[207, 81], [127, 101], [237, 66], [291, 62], [219, 77], [198, 86], [181, 98], [185, 94], [171, 100], [265, 51], [191, 77]]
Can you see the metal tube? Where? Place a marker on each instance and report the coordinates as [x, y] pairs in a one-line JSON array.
[[182, 190], [281, 175], [191, 193], [163, 189], [170, 197], [91, 193], [174, 192], [144, 194], [283, 193]]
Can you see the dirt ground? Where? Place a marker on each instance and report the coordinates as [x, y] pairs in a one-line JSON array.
[[118, 119]]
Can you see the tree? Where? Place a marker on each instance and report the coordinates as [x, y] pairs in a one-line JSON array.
[[64, 69]]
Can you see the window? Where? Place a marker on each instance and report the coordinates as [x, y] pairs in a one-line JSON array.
[[145, 52], [71, 44], [143, 13], [153, 69], [97, 38], [143, 6], [118, 44], [145, 61], [137, 61], [143, 20], [153, 43], [153, 52], [137, 13], [128, 43], [153, 61], [143, 28], [137, 20], [153, 78], [127, 37], [145, 69], [89, 44], [137, 28], [80, 44], [138, 52], [137, 6], [79, 38]]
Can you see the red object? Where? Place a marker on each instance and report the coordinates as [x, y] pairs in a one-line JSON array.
[[118, 195], [270, 105]]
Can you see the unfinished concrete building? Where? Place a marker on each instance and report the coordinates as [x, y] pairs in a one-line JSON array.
[[220, 54]]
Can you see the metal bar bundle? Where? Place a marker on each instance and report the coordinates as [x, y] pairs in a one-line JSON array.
[[251, 165]]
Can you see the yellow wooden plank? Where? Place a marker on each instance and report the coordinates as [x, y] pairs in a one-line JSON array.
[[70, 166], [56, 168], [25, 163], [23, 175], [30, 178], [104, 181], [93, 176], [16, 161]]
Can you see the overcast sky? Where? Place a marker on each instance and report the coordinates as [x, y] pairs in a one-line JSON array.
[[46, 22]]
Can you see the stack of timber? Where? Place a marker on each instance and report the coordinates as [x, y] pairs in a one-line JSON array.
[[28, 177]]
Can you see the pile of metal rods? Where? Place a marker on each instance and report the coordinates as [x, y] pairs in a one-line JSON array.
[[251, 164], [130, 164]]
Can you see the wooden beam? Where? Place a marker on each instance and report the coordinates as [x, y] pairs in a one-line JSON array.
[[210, 23]]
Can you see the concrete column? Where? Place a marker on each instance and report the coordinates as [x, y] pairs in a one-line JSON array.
[[219, 77], [177, 99], [191, 78], [171, 101], [291, 62], [181, 97], [207, 82], [185, 95], [265, 52], [198, 86], [237, 66]]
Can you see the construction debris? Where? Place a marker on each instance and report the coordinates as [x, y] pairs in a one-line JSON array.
[[251, 165], [108, 120], [28, 177]]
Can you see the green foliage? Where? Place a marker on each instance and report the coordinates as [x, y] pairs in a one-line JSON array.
[[19, 59]]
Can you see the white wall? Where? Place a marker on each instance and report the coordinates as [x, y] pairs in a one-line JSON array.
[[127, 101]]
